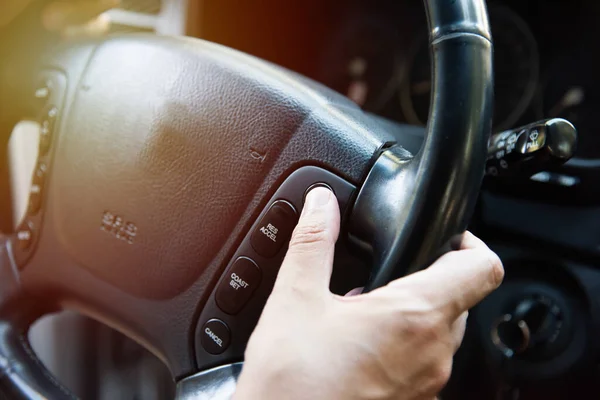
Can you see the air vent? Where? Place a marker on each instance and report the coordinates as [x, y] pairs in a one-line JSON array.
[[142, 6]]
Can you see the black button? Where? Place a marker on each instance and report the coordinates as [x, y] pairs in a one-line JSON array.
[[43, 92], [37, 187], [215, 336], [42, 95], [47, 129], [24, 236], [316, 185], [35, 199], [274, 229], [240, 282]]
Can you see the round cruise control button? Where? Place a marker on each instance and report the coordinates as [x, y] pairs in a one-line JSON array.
[[314, 186], [274, 229], [215, 336]]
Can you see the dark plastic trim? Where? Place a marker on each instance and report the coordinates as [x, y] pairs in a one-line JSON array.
[[22, 375]]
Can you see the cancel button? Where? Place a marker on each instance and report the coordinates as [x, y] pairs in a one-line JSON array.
[[215, 336], [241, 280]]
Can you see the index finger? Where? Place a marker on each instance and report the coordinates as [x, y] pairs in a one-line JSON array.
[[458, 280]]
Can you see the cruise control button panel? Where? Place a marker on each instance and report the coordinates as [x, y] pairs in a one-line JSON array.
[[232, 310], [237, 286], [274, 229], [47, 103]]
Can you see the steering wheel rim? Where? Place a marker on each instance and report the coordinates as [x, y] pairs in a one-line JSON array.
[[423, 221], [403, 209]]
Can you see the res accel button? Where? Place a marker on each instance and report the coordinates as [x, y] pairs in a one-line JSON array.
[[241, 281], [215, 336], [274, 229]]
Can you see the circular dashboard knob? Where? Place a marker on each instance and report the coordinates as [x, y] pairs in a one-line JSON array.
[[510, 336], [533, 322]]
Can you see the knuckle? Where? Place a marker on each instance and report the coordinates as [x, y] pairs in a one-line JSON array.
[[425, 324], [495, 267], [430, 328], [309, 233], [290, 291]]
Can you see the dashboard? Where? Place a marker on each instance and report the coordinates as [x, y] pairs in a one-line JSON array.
[[376, 53], [543, 65]]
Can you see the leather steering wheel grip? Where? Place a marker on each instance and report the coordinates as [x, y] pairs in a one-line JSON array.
[[22, 375], [407, 208]]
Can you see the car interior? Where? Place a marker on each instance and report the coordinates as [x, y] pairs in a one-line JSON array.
[[150, 180]]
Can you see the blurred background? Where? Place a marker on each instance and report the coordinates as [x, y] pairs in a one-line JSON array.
[[94, 361]]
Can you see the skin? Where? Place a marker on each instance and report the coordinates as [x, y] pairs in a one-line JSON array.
[[396, 342]]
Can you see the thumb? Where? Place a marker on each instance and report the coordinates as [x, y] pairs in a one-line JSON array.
[[308, 263]]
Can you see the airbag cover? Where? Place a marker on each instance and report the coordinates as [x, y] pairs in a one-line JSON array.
[[164, 151]]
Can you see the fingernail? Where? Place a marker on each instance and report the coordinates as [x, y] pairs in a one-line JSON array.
[[317, 198], [355, 292]]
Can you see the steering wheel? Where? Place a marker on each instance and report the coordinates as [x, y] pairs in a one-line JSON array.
[[171, 173]]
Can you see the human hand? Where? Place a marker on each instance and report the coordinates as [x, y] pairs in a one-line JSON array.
[[396, 342], [67, 17]]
